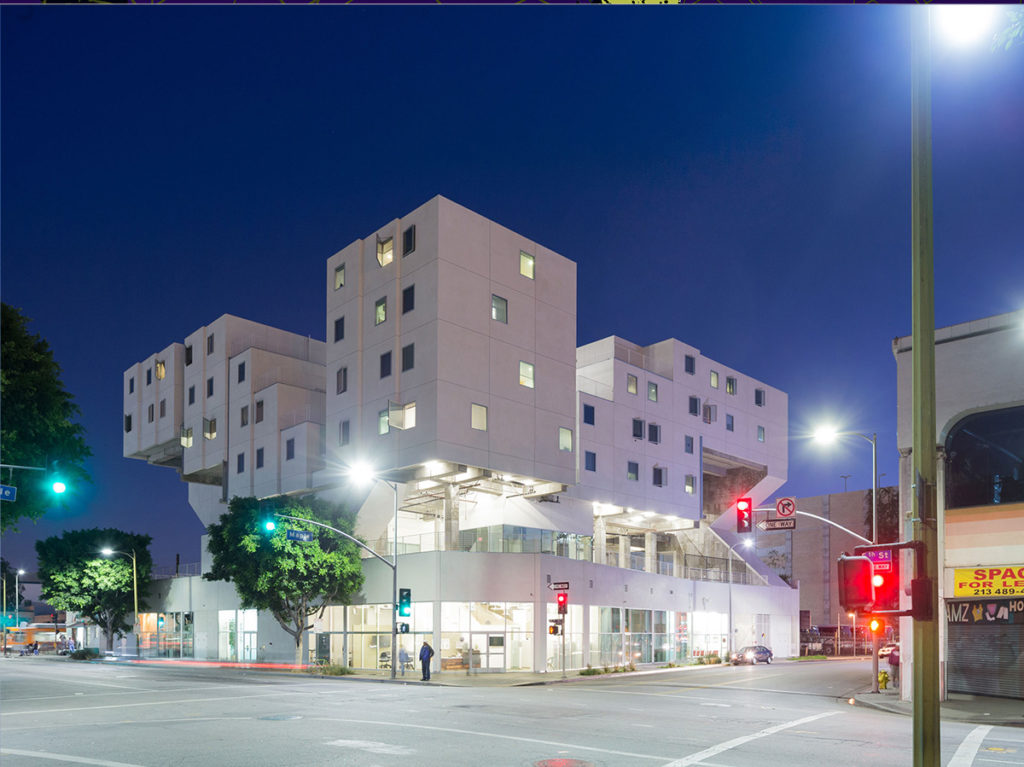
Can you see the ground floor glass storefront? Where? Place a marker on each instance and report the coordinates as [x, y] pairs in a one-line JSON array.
[[166, 635]]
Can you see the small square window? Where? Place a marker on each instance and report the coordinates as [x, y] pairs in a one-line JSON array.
[[243, 419], [339, 329], [408, 299], [590, 460], [343, 433], [652, 391], [630, 383], [638, 428], [341, 381], [192, 395], [185, 437], [127, 422], [259, 458], [149, 412], [688, 444], [564, 439], [259, 411], [730, 385], [690, 364], [163, 408], [659, 476], [409, 240], [691, 484], [210, 428], [694, 406], [383, 424], [385, 364], [131, 385], [161, 370], [380, 310], [241, 372], [654, 433], [385, 251], [588, 414], [408, 357], [759, 396], [632, 471], [188, 355], [209, 344], [499, 309], [526, 374], [714, 379], [730, 425], [289, 449], [526, 264], [760, 434], [149, 376], [240, 463], [339, 276], [209, 387], [478, 417]]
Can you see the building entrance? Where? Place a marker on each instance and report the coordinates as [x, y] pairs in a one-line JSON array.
[[488, 652]]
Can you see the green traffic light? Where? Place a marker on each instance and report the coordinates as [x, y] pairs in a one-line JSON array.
[[58, 487], [270, 525]]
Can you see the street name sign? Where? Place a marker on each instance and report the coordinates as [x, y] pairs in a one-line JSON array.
[[299, 535], [8, 493], [777, 524], [785, 507], [559, 585]]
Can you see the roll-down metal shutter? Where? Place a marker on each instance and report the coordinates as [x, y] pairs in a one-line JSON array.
[[986, 659]]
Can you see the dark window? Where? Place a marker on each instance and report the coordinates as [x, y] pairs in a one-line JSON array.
[[688, 444], [131, 385], [691, 364], [209, 344], [660, 476], [188, 354], [149, 412], [241, 372], [654, 433], [632, 470], [729, 423], [339, 329], [588, 414], [163, 408], [759, 397], [409, 240], [259, 411], [241, 463], [244, 419], [638, 429], [341, 385], [590, 460], [694, 405], [149, 376], [259, 458], [983, 459], [289, 449], [343, 435], [127, 423], [192, 395], [408, 299], [209, 387], [385, 364], [408, 357]]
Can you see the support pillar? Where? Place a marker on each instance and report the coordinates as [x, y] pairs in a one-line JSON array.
[[600, 541], [624, 551], [650, 553]]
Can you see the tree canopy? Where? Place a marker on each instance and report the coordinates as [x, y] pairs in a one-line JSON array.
[[38, 427], [294, 580], [888, 514], [7, 574], [76, 576]]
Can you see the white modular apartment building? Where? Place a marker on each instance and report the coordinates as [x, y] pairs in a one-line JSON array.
[[451, 367]]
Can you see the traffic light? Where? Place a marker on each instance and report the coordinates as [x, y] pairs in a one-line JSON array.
[[553, 629], [405, 602], [55, 479], [744, 515], [856, 590], [876, 625], [563, 602], [887, 588], [269, 525]]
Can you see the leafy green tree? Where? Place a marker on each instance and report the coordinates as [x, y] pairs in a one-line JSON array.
[[38, 428], [294, 580], [8, 580], [76, 576], [888, 514]]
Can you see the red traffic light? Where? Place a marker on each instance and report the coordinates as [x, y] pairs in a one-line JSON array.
[[856, 587], [744, 515], [875, 625], [563, 601]]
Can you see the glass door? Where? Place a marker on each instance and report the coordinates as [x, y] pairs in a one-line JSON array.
[[488, 652]]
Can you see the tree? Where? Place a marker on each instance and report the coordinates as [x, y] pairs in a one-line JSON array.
[[38, 428], [1011, 34], [292, 579], [888, 514], [7, 575], [76, 576]]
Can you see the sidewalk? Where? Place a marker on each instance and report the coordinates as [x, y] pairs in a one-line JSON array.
[[958, 707]]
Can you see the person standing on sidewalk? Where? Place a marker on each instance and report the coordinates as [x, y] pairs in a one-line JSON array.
[[403, 659], [426, 653], [894, 666]]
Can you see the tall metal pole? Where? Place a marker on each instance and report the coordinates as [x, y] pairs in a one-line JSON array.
[[874, 539], [135, 593], [925, 646], [394, 590], [728, 645]]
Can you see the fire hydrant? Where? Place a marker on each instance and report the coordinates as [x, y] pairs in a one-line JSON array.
[[883, 680]]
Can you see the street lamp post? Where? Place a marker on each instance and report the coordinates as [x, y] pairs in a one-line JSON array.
[[17, 615], [747, 543], [107, 552]]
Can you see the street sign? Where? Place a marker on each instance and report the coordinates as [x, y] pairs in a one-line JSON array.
[[881, 559], [777, 524], [299, 535], [785, 507], [559, 585], [8, 493]]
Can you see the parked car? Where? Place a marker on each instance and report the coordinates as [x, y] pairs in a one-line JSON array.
[[885, 650], [752, 655]]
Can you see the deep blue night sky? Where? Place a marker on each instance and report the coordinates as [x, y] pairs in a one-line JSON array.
[[735, 177]]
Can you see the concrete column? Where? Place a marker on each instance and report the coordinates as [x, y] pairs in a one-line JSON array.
[[449, 522], [650, 553], [624, 551], [600, 541]]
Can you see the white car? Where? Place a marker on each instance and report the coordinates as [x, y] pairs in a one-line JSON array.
[[886, 649]]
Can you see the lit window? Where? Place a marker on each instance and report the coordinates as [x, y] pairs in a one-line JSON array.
[[161, 370], [499, 309], [759, 397], [343, 433], [590, 460], [240, 464], [659, 476], [402, 416], [730, 385], [729, 423], [652, 391], [339, 329], [209, 344], [630, 383], [241, 372], [259, 411], [760, 434], [526, 374], [244, 416], [714, 379], [185, 437], [632, 471], [694, 406], [409, 240], [478, 417], [289, 449], [259, 458], [385, 364], [383, 425], [588, 414], [188, 355], [691, 484], [380, 310], [209, 387], [192, 395], [163, 408], [149, 376], [339, 276], [638, 428], [564, 439], [408, 357], [688, 444], [150, 414], [690, 364], [654, 433], [408, 299], [526, 264], [385, 251], [341, 381], [127, 422], [131, 385], [210, 428]]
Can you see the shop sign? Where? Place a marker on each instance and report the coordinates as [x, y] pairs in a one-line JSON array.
[[1006, 581], [997, 611]]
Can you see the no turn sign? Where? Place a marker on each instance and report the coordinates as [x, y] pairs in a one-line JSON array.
[[785, 507]]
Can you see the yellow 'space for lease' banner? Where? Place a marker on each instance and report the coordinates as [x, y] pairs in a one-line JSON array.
[[999, 581]]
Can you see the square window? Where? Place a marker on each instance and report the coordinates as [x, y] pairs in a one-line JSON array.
[[185, 437], [760, 434], [632, 471], [163, 408], [564, 439], [209, 387], [241, 372], [638, 428], [243, 419], [526, 374], [149, 412], [408, 299], [343, 433], [210, 428], [339, 329], [478, 417], [188, 355], [652, 391], [659, 476], [240, 464], [383, 423], [654, 433], [341, 381], [499, 309], [690, 364], [380, 310], [588, 414], [385, 250], [408, 357], [339, 276], [688, 444], [385, 364], [409, 240], [691, 484], [127, 422], [259, 458], [289, 449], [149, 376], [590, 460], [209, 344], [161, 370], [630, 383], [192, 395], [694, 406], [730, 385], [714, 379], [759, 397], [729, 423], [526, 264], [259, 411], [131, 385]]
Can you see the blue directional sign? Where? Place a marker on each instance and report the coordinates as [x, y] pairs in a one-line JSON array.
[[299, 535], [8, 493]]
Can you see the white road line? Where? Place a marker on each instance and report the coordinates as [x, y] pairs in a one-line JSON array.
[[709, 752], [964, 756], [174, 702], [64, 758], [374, 747]]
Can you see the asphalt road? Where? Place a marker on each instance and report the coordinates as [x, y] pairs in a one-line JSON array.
[[785, 714]]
